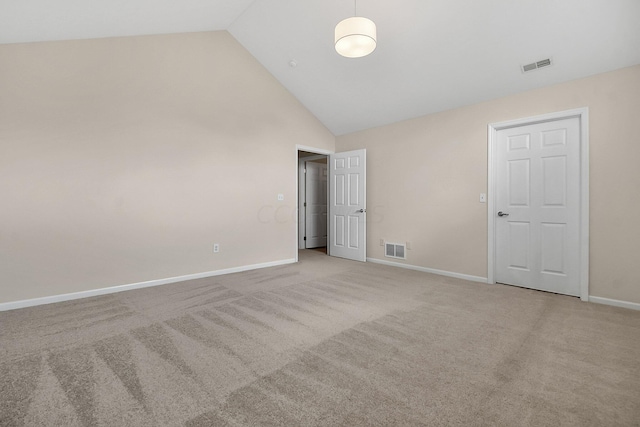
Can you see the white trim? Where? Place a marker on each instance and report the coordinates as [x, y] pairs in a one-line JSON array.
[[313, 150], [584, 204], [302, 219], [615, 303], [491, 201], [113, 289], [583, 115], [429, 270], [301, 212], [318, 151]]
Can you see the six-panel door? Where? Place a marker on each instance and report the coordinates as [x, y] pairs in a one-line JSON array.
[[538, 193], [347, 209]]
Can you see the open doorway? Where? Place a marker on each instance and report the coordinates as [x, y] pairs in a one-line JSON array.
[[341, 222], [312, 201]]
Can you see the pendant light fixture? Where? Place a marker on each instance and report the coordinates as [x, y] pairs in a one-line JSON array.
[[355, 37]]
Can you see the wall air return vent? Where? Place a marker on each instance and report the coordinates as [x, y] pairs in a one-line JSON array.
[[395, 250], [535, 65]]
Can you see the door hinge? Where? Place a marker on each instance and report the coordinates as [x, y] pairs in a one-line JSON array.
[[305, 237], [305, 171], [305, 204]]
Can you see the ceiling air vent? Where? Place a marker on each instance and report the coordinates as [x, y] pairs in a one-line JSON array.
[[535, 65]]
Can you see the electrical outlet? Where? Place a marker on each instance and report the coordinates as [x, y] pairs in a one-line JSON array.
[[381, 242], [280, 197], [216, 248]]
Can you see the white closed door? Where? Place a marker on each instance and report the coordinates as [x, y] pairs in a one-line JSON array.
[[315, 205], [537, 217], [347, 207]]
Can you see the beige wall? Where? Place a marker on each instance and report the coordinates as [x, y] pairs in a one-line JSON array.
[[123, 160], [424, 178]]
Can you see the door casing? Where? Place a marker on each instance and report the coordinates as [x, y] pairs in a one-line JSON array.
[[318, 151], [301, 214], [583, 115]]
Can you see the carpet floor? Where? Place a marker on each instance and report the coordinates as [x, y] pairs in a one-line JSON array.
[[325, 342]]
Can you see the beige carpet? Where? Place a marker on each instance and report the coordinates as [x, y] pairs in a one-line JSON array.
[[324, 342]]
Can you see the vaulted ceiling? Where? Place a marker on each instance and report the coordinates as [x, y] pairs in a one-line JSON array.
[[432, 55]]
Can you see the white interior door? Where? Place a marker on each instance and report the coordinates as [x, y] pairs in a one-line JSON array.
[[537, 223], [348, 205], [315, 205]]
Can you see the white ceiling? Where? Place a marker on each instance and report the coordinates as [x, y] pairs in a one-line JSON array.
[[432, 55]]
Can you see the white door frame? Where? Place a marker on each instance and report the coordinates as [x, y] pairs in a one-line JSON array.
[[302, 190], [318, 151], [583, 115]]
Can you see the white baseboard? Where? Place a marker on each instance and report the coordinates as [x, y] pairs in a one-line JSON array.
[[113, 289], [615, 302], [13, 305], [429, 270], [597, 300]]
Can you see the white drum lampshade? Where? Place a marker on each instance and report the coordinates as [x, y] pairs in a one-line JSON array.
[[355, 37]]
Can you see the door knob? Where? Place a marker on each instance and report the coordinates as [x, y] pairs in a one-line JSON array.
[[361, 210], [502, 214]]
